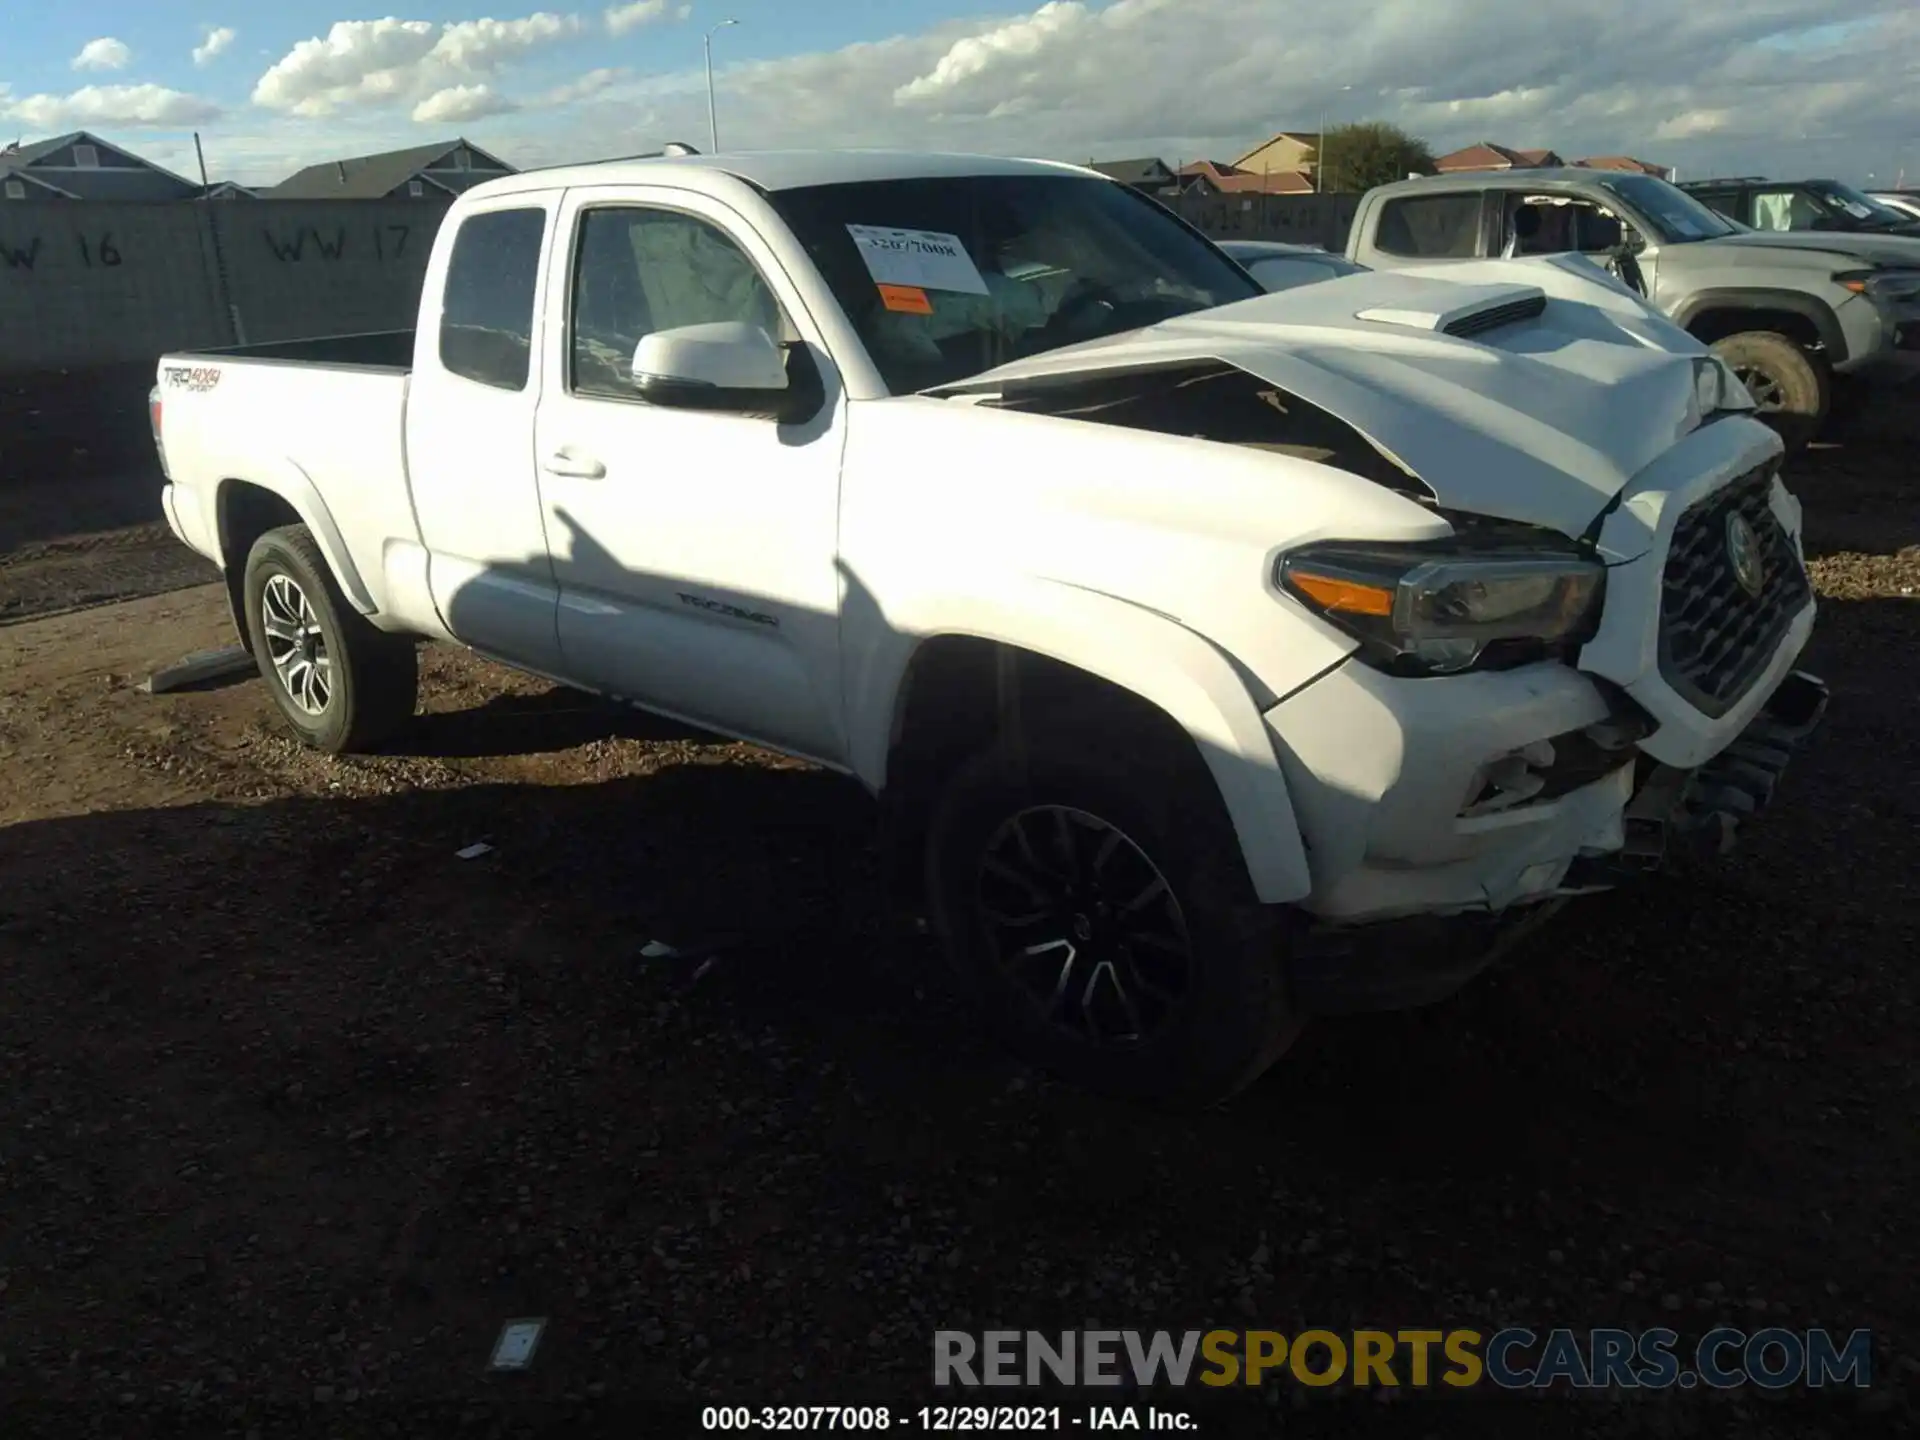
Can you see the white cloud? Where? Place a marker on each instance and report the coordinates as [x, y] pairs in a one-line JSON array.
[[459, 103], [623, 18], [1733, 86], [988, 56], [98, 106], [391, 61], [587, 86], [105, 53], [219, 39]]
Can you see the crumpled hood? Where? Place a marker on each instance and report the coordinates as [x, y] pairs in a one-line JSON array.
[[1543, 420]]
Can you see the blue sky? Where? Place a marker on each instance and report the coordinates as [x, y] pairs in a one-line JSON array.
[[1715, 86]]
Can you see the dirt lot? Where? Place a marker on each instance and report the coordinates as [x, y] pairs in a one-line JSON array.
[[296, 1108]]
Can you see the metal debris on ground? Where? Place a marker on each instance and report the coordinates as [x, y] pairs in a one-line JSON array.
[[657, 950], [198, 668], [473, 851], [518, 1340]]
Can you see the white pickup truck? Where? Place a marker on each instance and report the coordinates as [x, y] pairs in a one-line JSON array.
[[1186, 633]]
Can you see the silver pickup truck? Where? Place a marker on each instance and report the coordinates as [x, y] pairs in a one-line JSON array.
[[1791, 312]]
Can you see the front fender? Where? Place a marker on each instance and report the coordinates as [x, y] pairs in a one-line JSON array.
[[1825, 321], [293, 485], [1151, 655]]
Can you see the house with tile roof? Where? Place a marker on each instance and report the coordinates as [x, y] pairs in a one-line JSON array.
[[1628, 164], [1487, 156], [1289, 152]]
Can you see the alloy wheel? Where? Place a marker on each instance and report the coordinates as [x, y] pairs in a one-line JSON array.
[[1768, 396], [296, 645], [1084, 924]]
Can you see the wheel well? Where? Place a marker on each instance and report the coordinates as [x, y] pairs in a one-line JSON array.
[[1712, 325], [246, 512], [962, 695]]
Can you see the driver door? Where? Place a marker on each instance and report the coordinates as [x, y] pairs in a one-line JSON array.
[[694, 551]]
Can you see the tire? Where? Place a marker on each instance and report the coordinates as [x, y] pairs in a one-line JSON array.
[[342, 685], [1794, 388], [1231, 1016]]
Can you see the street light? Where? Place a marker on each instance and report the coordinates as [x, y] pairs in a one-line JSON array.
[[713, 122], [1320, 156]]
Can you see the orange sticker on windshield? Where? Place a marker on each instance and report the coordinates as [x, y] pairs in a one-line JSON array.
[[907, 299]]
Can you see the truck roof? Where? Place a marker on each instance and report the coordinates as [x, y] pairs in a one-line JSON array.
[[777, 169], [1544, 178]]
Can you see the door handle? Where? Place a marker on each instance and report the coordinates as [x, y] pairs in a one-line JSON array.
[[580, 467]]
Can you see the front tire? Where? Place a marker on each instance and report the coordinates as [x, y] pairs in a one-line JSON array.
[[1793, 388], [1097, 909], [341, 685]]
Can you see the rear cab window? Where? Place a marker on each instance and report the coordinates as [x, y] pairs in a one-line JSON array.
[[1430, 227], [486, 311]]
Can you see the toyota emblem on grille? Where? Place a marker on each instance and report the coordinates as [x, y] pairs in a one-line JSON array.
[[1743, 554]]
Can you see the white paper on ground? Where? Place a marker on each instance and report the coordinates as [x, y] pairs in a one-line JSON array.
[[925, 259], [518, 1340]]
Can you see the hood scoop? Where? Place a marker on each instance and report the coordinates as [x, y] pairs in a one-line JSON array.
[[1480, 309]]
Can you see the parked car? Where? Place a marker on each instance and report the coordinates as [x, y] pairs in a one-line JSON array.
[[1801, 205], [1281, 266], [1789, 311], [1907, 202], [1189, 636]]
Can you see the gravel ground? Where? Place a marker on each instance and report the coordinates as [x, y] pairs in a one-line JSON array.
[[296, 1108]]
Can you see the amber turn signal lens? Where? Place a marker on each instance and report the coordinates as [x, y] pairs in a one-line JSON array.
[[1345, 596]]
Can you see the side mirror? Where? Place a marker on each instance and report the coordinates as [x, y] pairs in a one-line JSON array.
[[728, 366]]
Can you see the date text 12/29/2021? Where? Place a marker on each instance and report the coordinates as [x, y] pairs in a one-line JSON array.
[[945, 1419]]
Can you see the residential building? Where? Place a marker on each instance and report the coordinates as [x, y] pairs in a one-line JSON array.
[[1628, 164], [1151, 175], [1488, 156], [425, 172], [1291, 151], [1209, 177], [82, 166]]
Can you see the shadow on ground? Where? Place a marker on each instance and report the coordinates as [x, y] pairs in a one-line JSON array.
[[290, 1084]]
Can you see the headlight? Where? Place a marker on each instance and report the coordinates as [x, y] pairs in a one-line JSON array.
[[1898, 286], [1421, 611]]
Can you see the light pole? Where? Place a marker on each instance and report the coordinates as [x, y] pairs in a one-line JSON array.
[[1320, 157], [713, 119]]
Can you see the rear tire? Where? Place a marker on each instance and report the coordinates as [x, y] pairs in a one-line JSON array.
[[1792, 387], [1175, 995], [341, 684]]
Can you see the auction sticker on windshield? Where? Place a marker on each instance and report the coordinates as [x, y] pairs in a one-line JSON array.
[[919, 259]]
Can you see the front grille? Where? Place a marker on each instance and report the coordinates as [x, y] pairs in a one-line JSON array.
[[1716, 637], [1495, 316]]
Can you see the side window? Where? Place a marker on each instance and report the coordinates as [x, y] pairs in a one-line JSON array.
[[1722, 202], [637, 271], [486, 316], [1431, 227]]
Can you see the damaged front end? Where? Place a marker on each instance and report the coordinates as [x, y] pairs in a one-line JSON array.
[[1679, 816], [1202, 399]]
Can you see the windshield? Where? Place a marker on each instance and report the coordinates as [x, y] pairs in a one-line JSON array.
[[1857, 204], [944, 278], [1670, 210]]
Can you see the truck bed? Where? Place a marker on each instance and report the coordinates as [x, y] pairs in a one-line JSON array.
[[319, 422], [374, 350]]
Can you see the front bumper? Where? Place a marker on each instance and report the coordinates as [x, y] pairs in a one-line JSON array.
[[1890, 353], [1674, 816]]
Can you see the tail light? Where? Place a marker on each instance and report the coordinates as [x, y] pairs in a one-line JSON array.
[[153, 419]]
